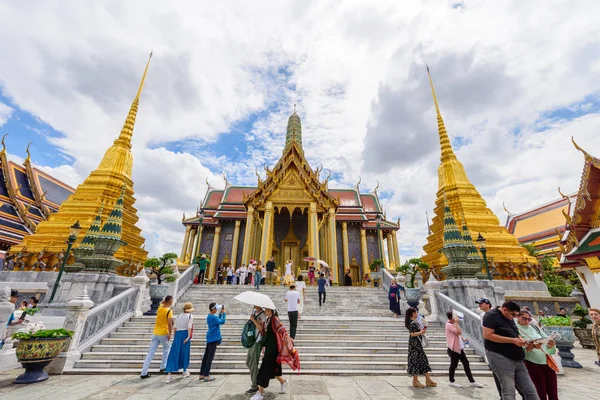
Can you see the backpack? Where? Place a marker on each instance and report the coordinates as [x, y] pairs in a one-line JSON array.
[[249, 334]]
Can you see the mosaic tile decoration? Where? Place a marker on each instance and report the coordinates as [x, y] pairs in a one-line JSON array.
[[225, 246], [208, 235], [240, 249], [354, 243]]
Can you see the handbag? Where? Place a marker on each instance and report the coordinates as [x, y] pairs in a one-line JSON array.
[[550, 361], [424, 340]]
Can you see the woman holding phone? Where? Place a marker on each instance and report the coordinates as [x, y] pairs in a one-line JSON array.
[[418, 364]]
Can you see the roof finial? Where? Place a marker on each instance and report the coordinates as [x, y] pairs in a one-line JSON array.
[[564, 196], [3, 145], [503, 206], [376, 187], [294, 108], [447, 152], [28, 159], [585, 153], [358, 183], [428, 226], [127, 130]]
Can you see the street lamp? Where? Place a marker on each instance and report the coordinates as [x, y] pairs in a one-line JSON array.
[[72, 237], [482, 248], [381, 255]]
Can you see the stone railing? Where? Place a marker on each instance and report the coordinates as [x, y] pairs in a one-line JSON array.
[[184, 281], [550, 305], [386, 279], [471, 325], [106, 317]]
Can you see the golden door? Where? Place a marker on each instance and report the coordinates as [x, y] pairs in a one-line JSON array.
[[291, 252]]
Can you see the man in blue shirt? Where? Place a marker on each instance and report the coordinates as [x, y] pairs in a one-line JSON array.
[[321, 282]]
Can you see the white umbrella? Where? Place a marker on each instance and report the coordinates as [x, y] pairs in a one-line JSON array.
[[255, 299], [323, 263]]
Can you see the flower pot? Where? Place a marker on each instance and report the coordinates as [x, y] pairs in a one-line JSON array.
[[584, 335], [564, 338], [157, 294], [35, 354], [413, 296]]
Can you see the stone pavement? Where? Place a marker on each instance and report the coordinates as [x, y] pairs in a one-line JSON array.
[[576, 384]]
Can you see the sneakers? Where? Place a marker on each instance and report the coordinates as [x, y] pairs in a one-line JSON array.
[[185, 374], [456, 385], [476, 385], [283, 386], [169, 379], [251, 391], [145, 376], [257, 396]]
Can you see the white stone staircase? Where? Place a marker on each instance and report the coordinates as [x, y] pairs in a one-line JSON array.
[[353, 333]]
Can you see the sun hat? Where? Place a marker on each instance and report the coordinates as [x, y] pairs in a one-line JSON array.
[[188, 307]]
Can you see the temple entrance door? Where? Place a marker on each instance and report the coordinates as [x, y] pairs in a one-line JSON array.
[[291, 252]]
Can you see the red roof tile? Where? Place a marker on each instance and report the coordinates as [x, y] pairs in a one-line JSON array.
[[369, 203], [235, 194], [348, 197], [214, 199]]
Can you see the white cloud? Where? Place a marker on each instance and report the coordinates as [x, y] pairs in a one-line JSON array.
[[5, 113], [356, 71]]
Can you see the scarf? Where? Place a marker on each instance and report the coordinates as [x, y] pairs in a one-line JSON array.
[[285, 345]]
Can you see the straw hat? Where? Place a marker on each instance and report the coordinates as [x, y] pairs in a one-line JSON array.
[[188, 307]]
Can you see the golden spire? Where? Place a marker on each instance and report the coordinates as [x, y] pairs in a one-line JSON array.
[[28, 159], [3, 145], [127, 130], [447, 152]]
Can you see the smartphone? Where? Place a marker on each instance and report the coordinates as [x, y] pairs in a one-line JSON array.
[[425, 328]]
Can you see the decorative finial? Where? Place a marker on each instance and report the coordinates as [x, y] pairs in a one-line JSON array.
[[225, 179], [446, 147], [376, 187], [585, 153], [28, 159], [3, 145], [294, 108], [358, 183], [564, 196], [183, 217], [207, 183], [508, 212], [328, 176], [428, 226]]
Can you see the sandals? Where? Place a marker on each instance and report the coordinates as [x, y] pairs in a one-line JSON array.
[[211, 379]]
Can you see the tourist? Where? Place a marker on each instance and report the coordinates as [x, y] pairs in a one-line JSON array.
[[367, 280], [179, 356], [33, 302], [229, 274], [456, 347], [202, 264], [321, 283], [163, 327], [288, 277], [563, 313], [504, 351], [258, 275], [533, 320], [278, 348], [595, 316], [251, 270], [536, 357], [259, 318], [417, 359], [311, 274], [220, 270], [270, 270], [12, 320], [484, 305], [394, 298], [292, 298], [300, 287], [243, 273], [23, 305], [213, 339], [347, 278]]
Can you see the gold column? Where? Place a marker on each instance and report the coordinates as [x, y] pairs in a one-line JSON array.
[[333, 245], [215, 253], [265, 244], [190, 247], [345, 245], [364, 254], [186, 240], [236, 240], [198, 241], [380, 245], [248, 234], [396, 251], [390, 248], [313, 226]]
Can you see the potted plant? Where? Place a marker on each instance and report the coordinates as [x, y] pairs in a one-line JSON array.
[[162, 269], [561, 330], [375, 273], [581, 329], [36, 348], [410, 269]]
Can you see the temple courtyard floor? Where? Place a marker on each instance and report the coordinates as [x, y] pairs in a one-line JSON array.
[[576, 384]]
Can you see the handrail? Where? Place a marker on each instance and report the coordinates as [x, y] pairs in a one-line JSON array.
[[106, 317], [184, 281], [386, 279], [471, 325]]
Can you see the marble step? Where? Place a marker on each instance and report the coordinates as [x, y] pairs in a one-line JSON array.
[[236, 330]]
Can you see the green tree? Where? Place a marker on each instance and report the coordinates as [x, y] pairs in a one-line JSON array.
[[411, 268], [557, 284], [161, 266]]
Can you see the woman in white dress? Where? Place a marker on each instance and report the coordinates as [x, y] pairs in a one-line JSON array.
[[289, 279], [300, 286], [243, 272]]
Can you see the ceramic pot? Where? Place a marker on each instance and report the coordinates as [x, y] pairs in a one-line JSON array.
[[35, 354], [564, 338], [413, 296], [585, 337], [157, 294]]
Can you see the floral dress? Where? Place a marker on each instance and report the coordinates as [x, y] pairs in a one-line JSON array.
[[417, 359]]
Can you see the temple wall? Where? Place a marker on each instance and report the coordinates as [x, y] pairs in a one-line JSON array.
[[372, 246], [226, 240], [208, 235], [240, 249], [340, 250]]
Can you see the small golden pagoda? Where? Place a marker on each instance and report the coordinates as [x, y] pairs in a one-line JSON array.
[[506, 258], [102, 186]]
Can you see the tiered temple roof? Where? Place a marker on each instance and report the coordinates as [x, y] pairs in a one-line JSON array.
[[28, 196]]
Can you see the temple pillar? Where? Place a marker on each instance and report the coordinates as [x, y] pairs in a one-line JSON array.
[[390, 248], [198, 242], [364, 254], [380, 246], [395, 244], [345, 245], [313, 226], [234, 247], [215, 253], [190, 247], [248, 235], [333, 245], [186, 240], [265, 244]]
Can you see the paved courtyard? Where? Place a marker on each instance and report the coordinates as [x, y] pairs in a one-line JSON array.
[[576, 384]]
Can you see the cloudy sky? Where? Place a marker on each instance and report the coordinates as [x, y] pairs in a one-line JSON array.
[[515, 80]]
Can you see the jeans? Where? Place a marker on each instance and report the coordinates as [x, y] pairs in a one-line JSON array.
[[324, 295], [156, 340], [201, 276], [512, 373], [207, 358], [293, 317], [229, 278], [257, 279], [252, 360], [454, 359]]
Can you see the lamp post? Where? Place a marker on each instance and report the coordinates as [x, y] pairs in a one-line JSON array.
[[72, 237], [482, 248]]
